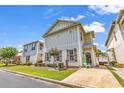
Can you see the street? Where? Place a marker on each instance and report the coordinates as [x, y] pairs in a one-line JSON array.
[[10, 80]]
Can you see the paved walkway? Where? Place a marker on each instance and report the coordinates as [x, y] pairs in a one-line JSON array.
[[10, 80], [93, 77], [120, 72]]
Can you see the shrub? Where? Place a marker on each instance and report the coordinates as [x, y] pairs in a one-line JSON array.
[[39, 64], [17, 63], [23, 63], [40, 61], [28, 63], [52, 65], [35, 64], [113, 63], [60, 65]]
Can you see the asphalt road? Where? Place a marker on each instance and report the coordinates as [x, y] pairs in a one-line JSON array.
[[10, 80]]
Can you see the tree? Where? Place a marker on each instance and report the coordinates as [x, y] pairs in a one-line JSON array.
[[8, 53], [54, 52]]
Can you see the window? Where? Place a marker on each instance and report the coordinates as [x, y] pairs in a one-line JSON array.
[[33, 46], [25, 48], [41, 46], [59, 57], [71, 55], [47, 56], [27, 58]]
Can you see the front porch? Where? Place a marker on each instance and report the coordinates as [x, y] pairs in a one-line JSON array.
[[88, 56]]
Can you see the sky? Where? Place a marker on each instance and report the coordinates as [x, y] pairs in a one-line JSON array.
[[23, 24]]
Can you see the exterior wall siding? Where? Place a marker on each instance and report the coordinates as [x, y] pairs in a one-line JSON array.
[[118, 45], [63, 41], [35, 55]]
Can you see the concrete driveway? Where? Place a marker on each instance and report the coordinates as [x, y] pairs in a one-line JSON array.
[[10, 80], [94, 77]]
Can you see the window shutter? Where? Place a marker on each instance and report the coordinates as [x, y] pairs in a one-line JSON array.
[[67, 55], [75, 55]]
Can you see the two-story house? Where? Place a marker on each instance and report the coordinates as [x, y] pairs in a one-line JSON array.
[[33, 51], [73, 42], [115, 39]]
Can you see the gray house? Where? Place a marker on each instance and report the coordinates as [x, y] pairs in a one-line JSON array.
[[33, 52]]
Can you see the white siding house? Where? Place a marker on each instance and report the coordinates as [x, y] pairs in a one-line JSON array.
[[115, 39], [72, 41], [33, 52]]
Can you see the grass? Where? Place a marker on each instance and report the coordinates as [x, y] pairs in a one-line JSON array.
[[42, 71], [120, 80], [3, 65]]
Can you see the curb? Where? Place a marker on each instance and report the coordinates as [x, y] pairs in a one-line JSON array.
[[45, 79]]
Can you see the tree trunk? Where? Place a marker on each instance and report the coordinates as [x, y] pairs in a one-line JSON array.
[[54, 62]]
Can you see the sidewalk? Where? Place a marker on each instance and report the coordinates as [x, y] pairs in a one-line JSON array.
[[93, 77], [120, 72]]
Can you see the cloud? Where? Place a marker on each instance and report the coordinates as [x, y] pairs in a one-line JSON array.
[[95, 26], [106, 9], [20, 46], [52, 11], [90, 14], [79, 17], [95, 43]]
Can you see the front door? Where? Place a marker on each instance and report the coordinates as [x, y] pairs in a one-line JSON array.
[[88, 58]]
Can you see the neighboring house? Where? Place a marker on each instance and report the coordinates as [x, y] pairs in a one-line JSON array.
[[33, 51], [115, 39], [73, 42], [19, 57], [103, 59]]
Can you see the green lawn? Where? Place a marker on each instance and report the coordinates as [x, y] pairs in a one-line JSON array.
[[1, 64], [120, 80], [42, 71]]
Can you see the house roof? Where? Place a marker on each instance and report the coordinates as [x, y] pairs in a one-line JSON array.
[[56, 22], [92, 33], [89, 45], [120, 16], [110, 32], [117, 21], [34, 42], [74, 23]]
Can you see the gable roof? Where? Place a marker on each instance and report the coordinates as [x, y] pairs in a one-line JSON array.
[[110, 32], [72, 23], [40, 41], [116, 21]]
